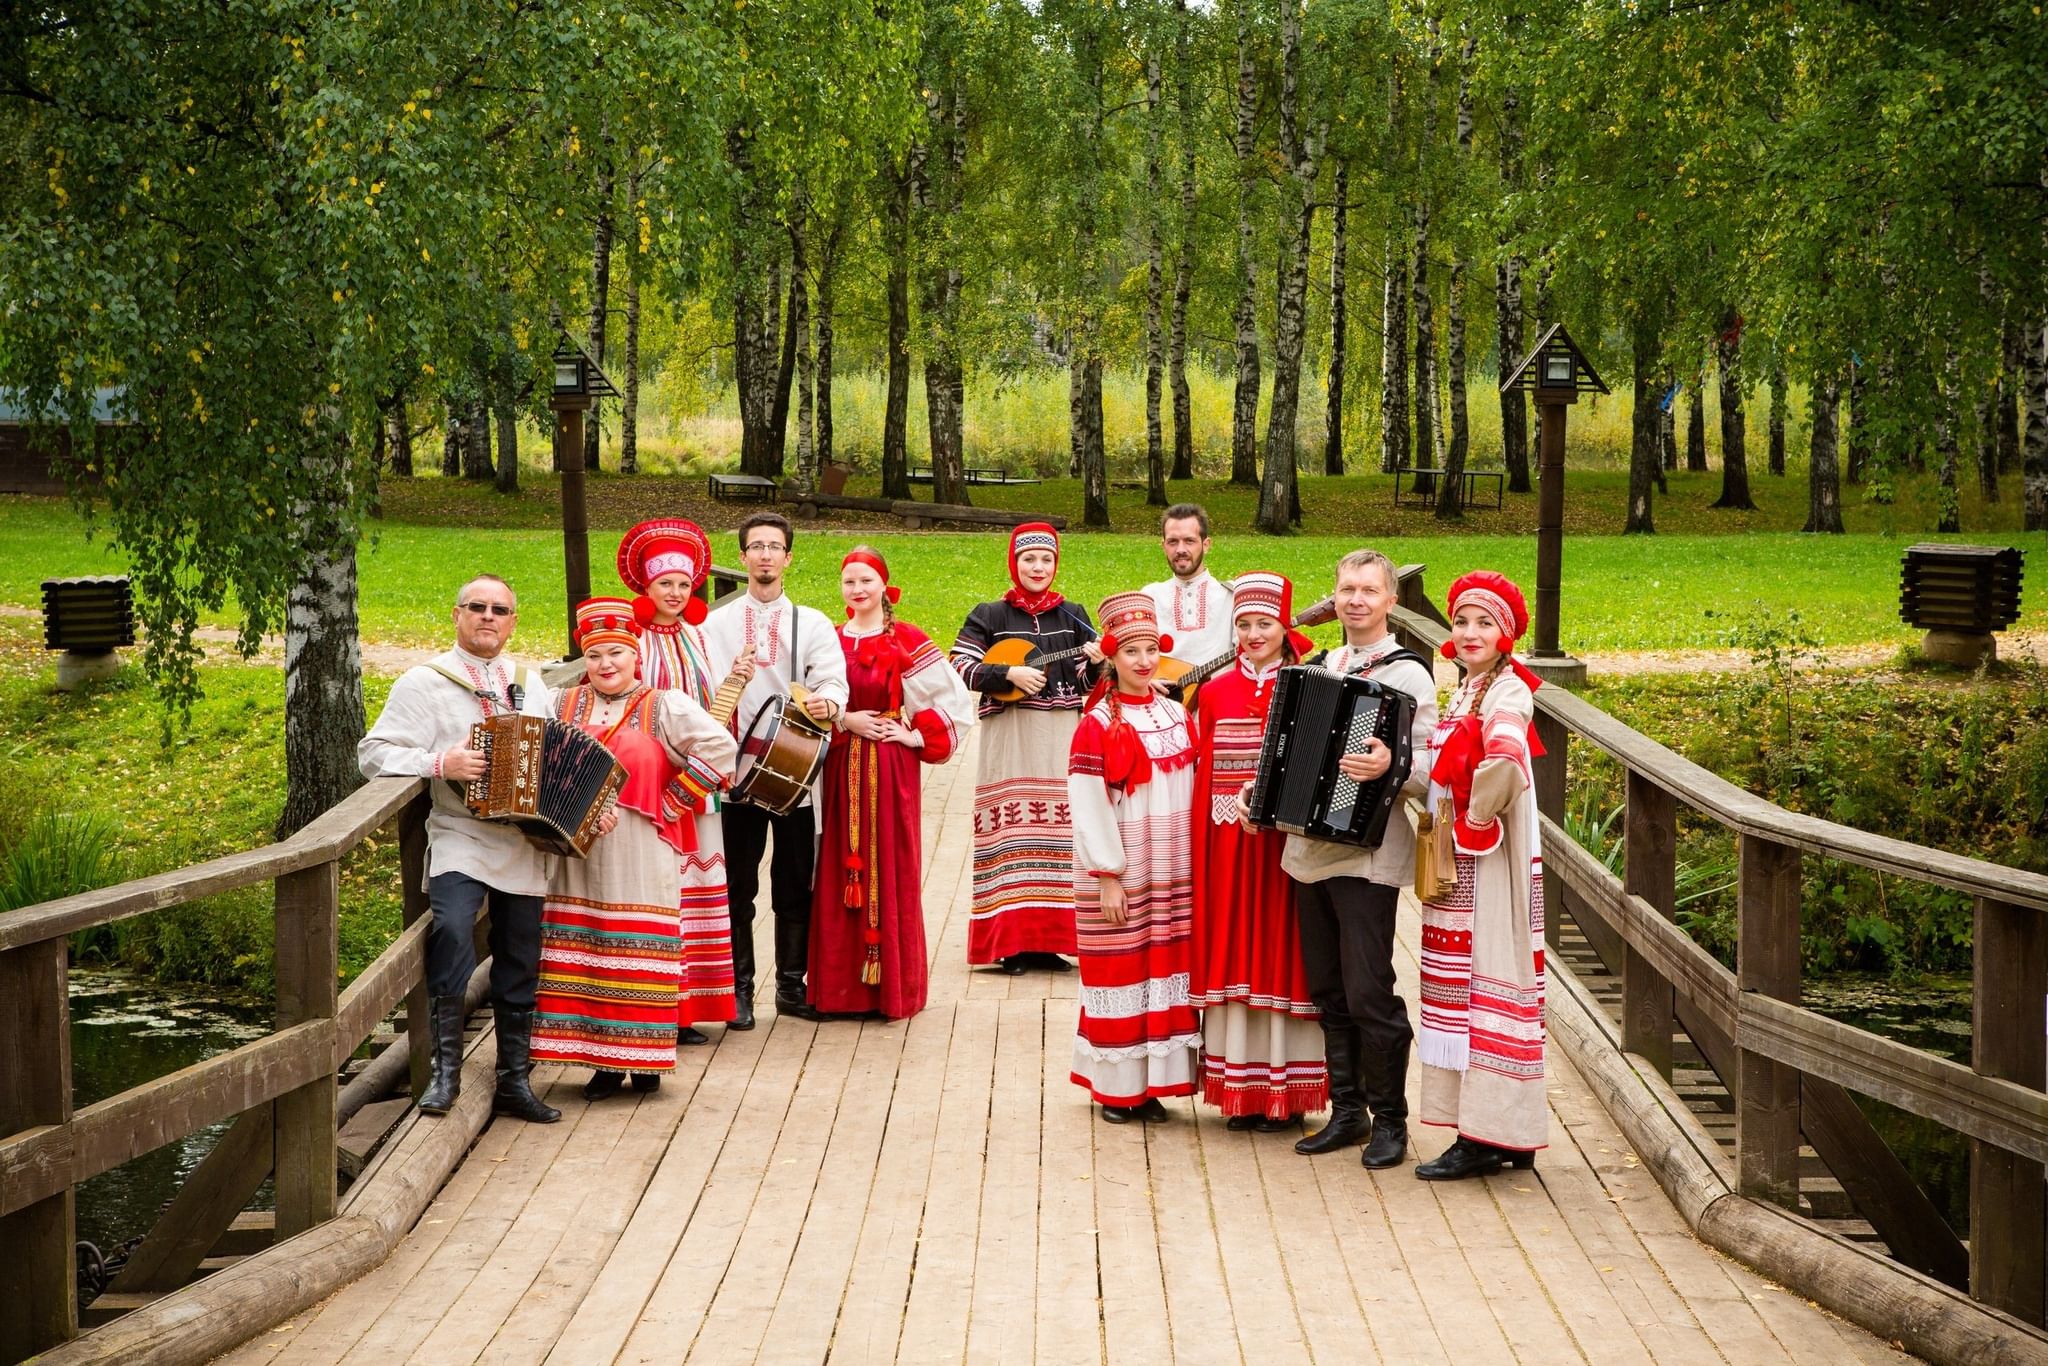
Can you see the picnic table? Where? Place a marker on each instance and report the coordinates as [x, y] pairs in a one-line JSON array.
[[742, 488], [1470, 491], [974, 474]]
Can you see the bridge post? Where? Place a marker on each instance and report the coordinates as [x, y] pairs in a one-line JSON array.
[[1650, 845], [38, 1273], [1767, 962], [2008, 1214], [308, 906], [1551, 786], [412, 875]]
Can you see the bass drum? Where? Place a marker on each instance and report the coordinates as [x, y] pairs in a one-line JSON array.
[[781, 755]]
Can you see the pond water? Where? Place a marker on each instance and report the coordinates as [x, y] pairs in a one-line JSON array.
[[1934, 1015], [126, 1030]]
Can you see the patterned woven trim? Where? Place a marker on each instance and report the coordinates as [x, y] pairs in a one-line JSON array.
[[1149, 997]]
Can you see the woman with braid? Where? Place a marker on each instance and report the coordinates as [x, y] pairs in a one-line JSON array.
[[905, 707]]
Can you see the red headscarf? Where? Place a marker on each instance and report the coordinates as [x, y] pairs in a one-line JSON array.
[[883, 651], [1033, 536]]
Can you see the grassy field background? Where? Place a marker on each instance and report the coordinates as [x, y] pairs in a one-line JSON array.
[[1620, 593]]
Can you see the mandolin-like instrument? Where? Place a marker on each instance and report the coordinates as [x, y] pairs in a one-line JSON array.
[[1017, 650], [1183, 679]]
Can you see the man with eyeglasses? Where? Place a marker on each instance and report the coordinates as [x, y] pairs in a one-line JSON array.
[[771, 642], [424, 733]]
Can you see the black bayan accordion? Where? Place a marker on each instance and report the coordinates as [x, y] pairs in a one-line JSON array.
[[1317, 718], [551, 780]]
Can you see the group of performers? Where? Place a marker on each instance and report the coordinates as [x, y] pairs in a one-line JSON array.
[[1111, 826]]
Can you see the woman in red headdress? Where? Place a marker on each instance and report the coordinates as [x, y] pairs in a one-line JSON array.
[[1262, 1041], [1023, 909], [1482, 1039], [905, 707], [664, 561], [1131, 780], [610, 950]]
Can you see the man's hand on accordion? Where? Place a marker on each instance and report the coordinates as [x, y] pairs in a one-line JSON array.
[[463, 765], [1244, 806], [1368, 765]]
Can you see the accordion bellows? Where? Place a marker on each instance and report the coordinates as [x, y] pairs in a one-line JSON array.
[[549, 779], [1317, 718]]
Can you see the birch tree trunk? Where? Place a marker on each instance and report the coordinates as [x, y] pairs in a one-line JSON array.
[[323, 667], [1279, 491], [476, 429], [1507, 293], [1450, 494], [1155, 272], [629, 401], [937, 193], [400, 438], [1696, 423], [806, 367], [1859, 425], [1333, 385], [600, 302], [897, 183], [1823, 481], [1244, 412], [1948, 443], [1394, 355], [1734, 459], [1184, 266], [2034, 392], [2012, 351], [1645, 422], [454, 443], [757, 317], [828, 276]]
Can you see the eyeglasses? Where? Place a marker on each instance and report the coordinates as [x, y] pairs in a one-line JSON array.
[[753, 546], [496, 609]]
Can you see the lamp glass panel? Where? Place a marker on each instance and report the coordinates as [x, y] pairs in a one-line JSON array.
[[568, 376], [1557, 368]]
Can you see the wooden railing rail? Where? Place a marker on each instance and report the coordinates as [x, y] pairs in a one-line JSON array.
[[1786, 1065], [282, 1086]]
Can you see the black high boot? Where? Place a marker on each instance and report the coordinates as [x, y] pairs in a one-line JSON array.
[[447, 1020], [1387, 1097], [792, 950], [1348, 1123], [742, 976], [515, 1095]]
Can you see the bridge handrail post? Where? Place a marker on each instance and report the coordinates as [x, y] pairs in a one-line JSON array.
[[2008, 1214], [307, 920], [1650, 871], [38, 1291], [412, 875], [1767, 963]]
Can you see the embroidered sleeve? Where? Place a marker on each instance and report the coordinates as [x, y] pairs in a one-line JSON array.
[[935, 698], [704, 751], [1098, 842], [968, 648]]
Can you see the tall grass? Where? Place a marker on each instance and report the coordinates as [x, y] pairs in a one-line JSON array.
[[59, 853], [1019, 422]]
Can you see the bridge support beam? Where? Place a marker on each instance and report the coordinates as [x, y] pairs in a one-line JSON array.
[[2008, 1211], [308, 906], [1767, 962]]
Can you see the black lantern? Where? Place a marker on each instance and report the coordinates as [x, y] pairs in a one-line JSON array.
[[1557, 371], [579, 381], [88, 619]]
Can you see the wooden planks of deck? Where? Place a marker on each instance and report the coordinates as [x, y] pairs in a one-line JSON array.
[[935, 1190]]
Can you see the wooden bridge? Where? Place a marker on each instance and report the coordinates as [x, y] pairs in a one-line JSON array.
[[936, 1190]]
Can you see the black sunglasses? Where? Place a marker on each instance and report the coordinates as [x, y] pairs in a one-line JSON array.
[[496, 609]]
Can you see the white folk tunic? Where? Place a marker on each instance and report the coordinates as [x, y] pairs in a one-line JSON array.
[[428, 713], [1196, 613], [763, 630]]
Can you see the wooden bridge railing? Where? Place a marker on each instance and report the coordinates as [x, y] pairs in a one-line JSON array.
[[281, 1086], [1790, 1068]]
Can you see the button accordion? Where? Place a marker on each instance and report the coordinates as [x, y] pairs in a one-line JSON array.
[[1317, 718], [550, 780]]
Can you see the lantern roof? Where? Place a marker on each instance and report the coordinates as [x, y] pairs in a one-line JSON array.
[[596, 383], [1529, 375]]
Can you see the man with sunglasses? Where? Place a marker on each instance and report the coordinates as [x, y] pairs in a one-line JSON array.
[[424, 733], [771, 642]]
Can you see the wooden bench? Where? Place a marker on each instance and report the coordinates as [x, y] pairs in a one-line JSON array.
[[741, 488], [916, 516], [1472, 480]]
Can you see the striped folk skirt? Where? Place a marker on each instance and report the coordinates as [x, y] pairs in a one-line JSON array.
[[1023, 837], [611, 954]]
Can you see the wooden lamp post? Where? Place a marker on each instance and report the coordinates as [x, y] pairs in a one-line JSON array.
[[1557, 372], [579, 383]]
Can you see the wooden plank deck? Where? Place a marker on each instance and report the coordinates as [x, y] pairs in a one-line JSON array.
[[937, 1191]]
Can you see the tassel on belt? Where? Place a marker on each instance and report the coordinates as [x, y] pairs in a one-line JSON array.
[[863, 889]]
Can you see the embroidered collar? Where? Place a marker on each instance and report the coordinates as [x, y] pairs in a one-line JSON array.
[[1261, 677], [1361, 656]]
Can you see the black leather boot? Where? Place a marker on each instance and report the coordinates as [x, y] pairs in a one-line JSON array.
[[1348, 1124], [447, 1019], [792, 950], [1470, 1157], [1387, 1098], [515, 1095], [742, 976]]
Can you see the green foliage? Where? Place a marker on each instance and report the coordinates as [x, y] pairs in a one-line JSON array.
[[55, 854]]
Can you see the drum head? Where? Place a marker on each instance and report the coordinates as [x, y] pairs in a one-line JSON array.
[[755, 743]]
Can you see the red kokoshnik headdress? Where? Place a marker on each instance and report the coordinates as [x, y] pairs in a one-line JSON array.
[[1033, 536], [1498, 597], [1126, 617], [1260, 593], [664, 545]]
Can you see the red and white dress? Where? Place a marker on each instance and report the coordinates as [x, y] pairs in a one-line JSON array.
[[1131, 783], [1262, 1045], [675, 657], [867, 913], [1482, 1035]]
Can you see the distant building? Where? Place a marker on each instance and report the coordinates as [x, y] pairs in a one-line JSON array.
[[32, 457]]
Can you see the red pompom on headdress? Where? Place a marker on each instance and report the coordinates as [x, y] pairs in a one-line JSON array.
[[666, 545], [607, 621]]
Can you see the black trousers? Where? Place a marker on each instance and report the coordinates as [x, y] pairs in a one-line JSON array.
[[451, 940], [789, 882], [1347, 948]]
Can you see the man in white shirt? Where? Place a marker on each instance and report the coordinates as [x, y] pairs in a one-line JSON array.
[[424, 733], [769, 640], [1346, 895], [1193, 605]]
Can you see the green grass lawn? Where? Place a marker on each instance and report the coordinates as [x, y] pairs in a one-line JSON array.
[[1620, 593]]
